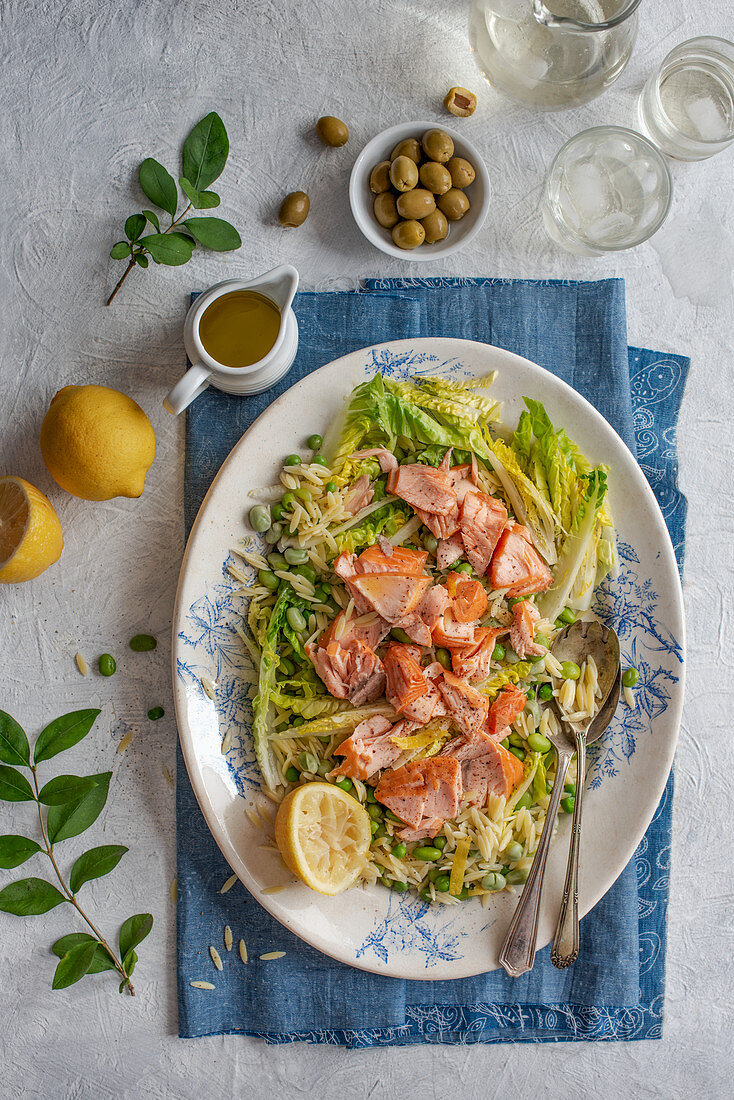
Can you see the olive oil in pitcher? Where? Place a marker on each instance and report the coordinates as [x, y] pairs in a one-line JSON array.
[[240, 328]]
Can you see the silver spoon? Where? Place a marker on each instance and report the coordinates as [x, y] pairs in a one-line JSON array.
[[574, 643]]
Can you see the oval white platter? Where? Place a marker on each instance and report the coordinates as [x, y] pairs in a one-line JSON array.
[[375, 929]]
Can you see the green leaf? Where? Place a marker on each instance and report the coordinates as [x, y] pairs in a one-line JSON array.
[[208, 200], [65, 788], [214, 233], [200, 200], [159, 185], [120, 250], [15, 850], [74, 817], [152, 218], [100, 960], [205, 152], [64, 732], [142, 260], [14, 747], [190, 192], [134, 931], [172, 249], [134, 226], [29, 897], [129, 962], [74, 965], [14, 787], [95, 863]]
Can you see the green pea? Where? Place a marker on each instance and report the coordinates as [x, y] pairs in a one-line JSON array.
[[518, 876], [260, 517], [443, 657], [371, 794], [323, 591], [106, 664], [570, 670], [293, 460], [274, 533], [345, 784], [305, 495], [277, 510], [307, 762], [425, 851], [155, 713], [493, 881], [516, 740], [393, 817], [374, 826], [289, 500], [439, 842], [538, 743], [314, 442], [567, 616], [374, 811], [268, 579], [400, 636], [498, 653], [630, 676], [276, 560], [425, 894], [519, 753], [142, 643], [545, 692], [434, 873], [534, 658], [568, 803], [331, 486], [401, 887], [380, 831], [570, 788], [295, 619], [299, 720], [430, 543], [442, 884], [463, 567], [319, 460], [292, 774], [525, 802], [307, 571], [399, 850], [295, 556]]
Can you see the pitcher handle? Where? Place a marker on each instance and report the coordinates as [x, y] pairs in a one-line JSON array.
[[187, 388]]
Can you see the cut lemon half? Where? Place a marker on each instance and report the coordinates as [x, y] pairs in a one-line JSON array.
[[324, 836], [30, 532]]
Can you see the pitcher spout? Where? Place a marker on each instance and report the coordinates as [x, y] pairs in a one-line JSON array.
[[280, 285]]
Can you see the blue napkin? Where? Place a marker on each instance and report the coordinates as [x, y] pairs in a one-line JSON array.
[[615, 990]]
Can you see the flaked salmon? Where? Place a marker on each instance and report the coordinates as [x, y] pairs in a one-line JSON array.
[[509, 705], [475, 662], [352, 672], [482, 519], [467, 706], [394, 596], [360, 495], [449, 550], [408, 689], [423, 792], [443, 526], [368, 749], [388, 461], [495, 771], [468, 598], [517, 565], [522, 632], [401, 560], [344, 630], [424, 488], [452, 634]]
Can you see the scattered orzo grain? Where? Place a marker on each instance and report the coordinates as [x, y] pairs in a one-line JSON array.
[[272, 955], [216, 957], [228, 937], [202, 985], [125, 741], [242, 950], [228, 884], [81, 664]]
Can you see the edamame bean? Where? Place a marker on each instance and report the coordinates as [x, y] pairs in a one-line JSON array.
[[142, 643], [331, 486], [567, 616], [519, 753], [538, 743], [293, 460], [155, 713], [299, 720], [325, 767], [516, 739], [288, 667], [289, 500], [292, 774], [545, 692], [568, 803], [570, 788], [314, 442], [306, 571], [106, 664], [400, 636], [374, 811], [393, 817], [399, 850], [630, 676], [277, 510], [518, 876], [534, 658], [273, 533], [374, 826], [570, 670], [276, 560], [443, 657], [319, 460], [268, 579], [434, 873], [345, 784], [498, 653], [304, 495], [525, 802], [295, 619], [442, 884], [294, 556], [493, 881], [439, 842], [307, 762], [371, 794], [425, 894], [463, 567], [426, 852], [260, 517], [430, 543], [380, 831]]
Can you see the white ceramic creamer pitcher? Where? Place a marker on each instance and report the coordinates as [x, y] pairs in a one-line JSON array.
[[279, 285]]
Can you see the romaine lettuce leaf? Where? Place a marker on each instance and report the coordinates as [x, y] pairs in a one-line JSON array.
[[262, 703], [345, 720], [574, 550], [527, 502]]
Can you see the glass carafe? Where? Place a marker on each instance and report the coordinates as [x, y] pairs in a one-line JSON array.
[[552, 55]]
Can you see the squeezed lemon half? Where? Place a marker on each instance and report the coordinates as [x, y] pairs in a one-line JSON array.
[[30, 532], [324, 836]]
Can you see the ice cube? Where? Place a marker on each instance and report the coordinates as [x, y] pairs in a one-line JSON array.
[[615, 227], [709, 123], [590, 189]]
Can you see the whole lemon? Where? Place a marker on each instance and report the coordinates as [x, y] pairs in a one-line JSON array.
[[97, 443]]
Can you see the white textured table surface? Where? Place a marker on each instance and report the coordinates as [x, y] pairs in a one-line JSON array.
[[89, 88]]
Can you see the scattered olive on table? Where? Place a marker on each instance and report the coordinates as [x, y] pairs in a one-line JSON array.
[[460, 102], [294, 209], [332, 131]]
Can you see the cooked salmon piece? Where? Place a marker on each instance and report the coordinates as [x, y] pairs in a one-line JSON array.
[[482, 519], [401, 560], [517, 565], [452, 634], [345, 630], [368, 749], [360, 494], [418, 626], [405, 679], [423, 792], [388, 461], [468, 598], [403, 790], [496, 771], [509, 705], [345, 567], [522, 632], [428, 706], [425, 488], [474, 662], [442, 526], [394, 596], [467, 706], [352, 672], [449, 550]]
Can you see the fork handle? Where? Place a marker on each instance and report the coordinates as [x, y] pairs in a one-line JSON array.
[[518, 951], [565, 948]]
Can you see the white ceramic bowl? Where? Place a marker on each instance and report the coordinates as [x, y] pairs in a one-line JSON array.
[[361, 198]]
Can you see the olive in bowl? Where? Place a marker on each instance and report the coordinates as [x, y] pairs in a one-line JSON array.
[[454, 204], [409, 234], [403, 173], [417, 203], [435, 177]]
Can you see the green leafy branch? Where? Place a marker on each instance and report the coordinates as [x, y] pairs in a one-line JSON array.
[[71, 803], [203, 159]]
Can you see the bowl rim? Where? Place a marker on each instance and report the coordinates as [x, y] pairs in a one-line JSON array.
[[361, 214]]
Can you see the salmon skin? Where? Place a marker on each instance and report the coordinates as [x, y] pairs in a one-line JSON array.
[[517, 565]]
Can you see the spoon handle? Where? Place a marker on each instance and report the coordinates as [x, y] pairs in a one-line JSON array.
[[518, 951], [565, 948]]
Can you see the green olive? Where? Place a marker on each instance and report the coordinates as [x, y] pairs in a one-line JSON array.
[[461, 171], [403, 174], [332, 131], [386, 211], [417, 203], [436, 228], [438, 145], [380, 177], [460, 102], [434, 177], [294, 209], [408, 234], [454, 204], [409, 147]]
